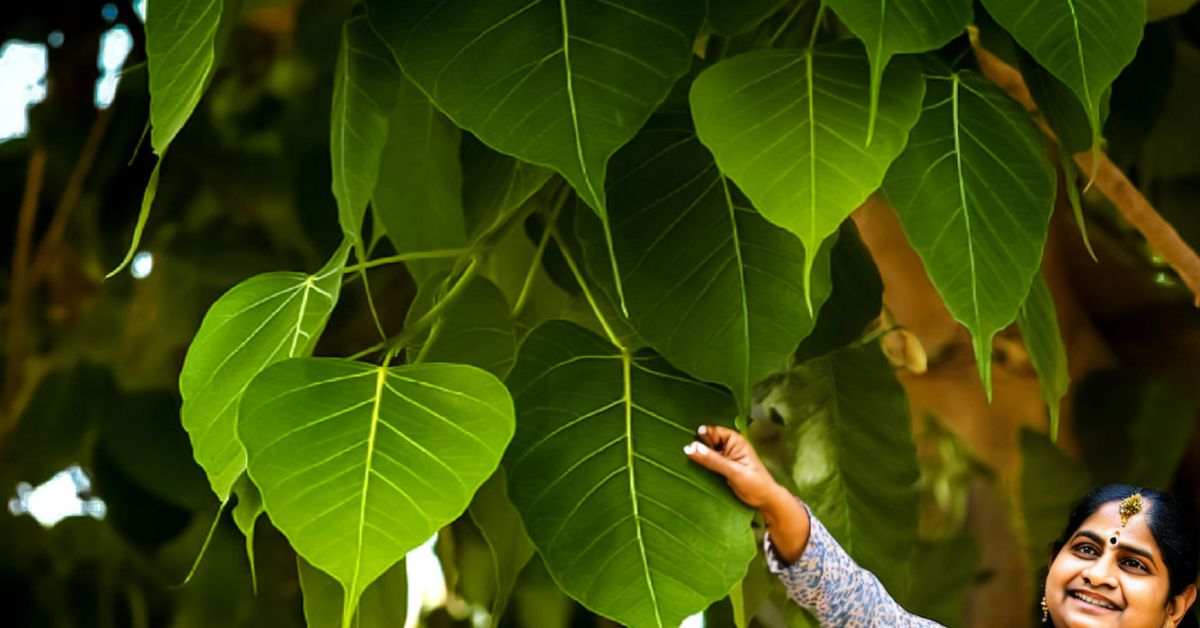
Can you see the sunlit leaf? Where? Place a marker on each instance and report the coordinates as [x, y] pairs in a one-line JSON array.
[[358, 464], [264, 319], [699, 262], [365, 88], [179, 52], [625, 522], [419, 194], [1038, 320], [789, 127], [1084, 44], [562, 84], [384, 604], [974, 191], [891, 27]]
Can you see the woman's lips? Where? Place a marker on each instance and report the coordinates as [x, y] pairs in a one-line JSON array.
[[1092, 605]]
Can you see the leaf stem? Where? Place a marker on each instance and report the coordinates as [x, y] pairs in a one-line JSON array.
[[787, 21], [587, 293], [405, 257], [812, 38], [551, 220], [411, 331]]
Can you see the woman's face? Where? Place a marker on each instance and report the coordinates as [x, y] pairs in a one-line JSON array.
[[1093, 582]]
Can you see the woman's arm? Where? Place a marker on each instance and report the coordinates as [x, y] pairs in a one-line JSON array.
[[818, 573]]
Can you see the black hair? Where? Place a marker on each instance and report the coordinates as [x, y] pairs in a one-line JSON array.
[[1171, 526]]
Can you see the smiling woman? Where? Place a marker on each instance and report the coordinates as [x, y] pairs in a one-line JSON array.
[[1127, 557]]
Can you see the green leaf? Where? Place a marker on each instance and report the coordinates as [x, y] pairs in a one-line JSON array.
[[855, 300], [179, 52], [944, 573], [384, 604], [474, 329], [789, 127], [1066, 115], [494, 183], [562, 84], [731, 17], [625, 522], [891, 27], [839, 411], [974, 191], [366, 84], [500, 525], [245, 516], [1039, 328], [741, 283], [1050, 483], [1084, 44], [358, 464], [260, 321], [419, 194]]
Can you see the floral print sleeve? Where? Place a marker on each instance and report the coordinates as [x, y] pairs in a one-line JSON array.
[[827, 582]]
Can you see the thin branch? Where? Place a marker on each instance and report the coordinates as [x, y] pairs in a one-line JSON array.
[[1109, 179], [20, 282], [551, 219], [405, 257]]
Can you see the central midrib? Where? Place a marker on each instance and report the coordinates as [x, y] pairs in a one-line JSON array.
[[626, 368], [962, 197], [352, 592]]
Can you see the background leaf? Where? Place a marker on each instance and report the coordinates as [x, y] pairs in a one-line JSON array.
[[1083, 44], [359, 464], [730, 17], [263, 320], [419, 194], [384, 604], [474, 329], [1038, 320], [500, 525], [855, 300], [494, 183], [610, 500], [741, 288], [838, 411], [806, 115], [365, 88], [1045, 511], [179, 52], [974, 191]]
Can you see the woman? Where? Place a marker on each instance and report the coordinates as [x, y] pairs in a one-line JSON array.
[[1127, 557]]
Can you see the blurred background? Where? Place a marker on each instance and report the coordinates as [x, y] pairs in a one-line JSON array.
[[107, 510]]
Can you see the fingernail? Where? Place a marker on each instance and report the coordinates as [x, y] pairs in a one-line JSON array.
[[687, 449], [699, 447], [702, 429]]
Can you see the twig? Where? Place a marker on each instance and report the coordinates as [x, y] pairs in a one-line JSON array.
[[19, 285], [1109, 179]]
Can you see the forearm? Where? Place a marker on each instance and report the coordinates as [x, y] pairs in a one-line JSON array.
[[788, 524]]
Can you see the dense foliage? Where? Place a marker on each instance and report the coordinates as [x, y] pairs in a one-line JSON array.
[[625, 219]]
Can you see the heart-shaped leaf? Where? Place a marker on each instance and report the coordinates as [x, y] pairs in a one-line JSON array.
[[891, 27], [790, 126], [265, 319], [384, 604], [358, 464], [974, 191], [1039, 328], [366, 83], [625, 522], [562, 83], [1083, 44], [741, 287]]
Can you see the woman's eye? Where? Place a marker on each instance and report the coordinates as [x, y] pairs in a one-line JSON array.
[[1137, 564], [1086, 548]]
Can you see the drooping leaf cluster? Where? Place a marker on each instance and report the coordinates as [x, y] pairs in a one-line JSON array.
[[686, 173]]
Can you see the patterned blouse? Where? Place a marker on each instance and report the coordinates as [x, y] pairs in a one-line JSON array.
[[827, 582]]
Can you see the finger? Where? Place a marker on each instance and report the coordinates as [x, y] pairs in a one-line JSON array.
[[718, 437], [712, 460]]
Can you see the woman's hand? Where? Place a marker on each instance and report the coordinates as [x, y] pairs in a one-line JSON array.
[[729, 454]]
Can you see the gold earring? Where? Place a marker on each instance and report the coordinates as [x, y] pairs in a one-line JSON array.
[[1045, 610]]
